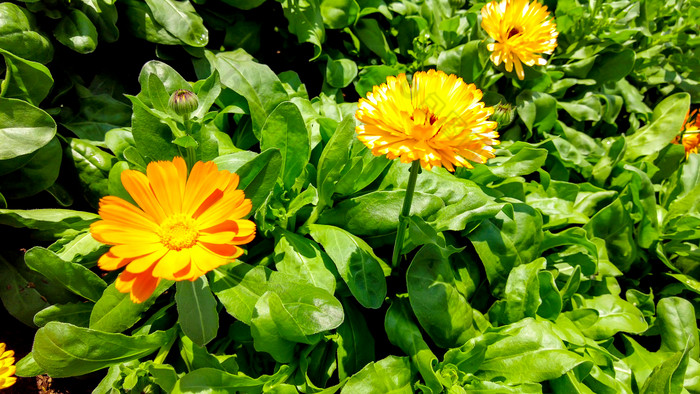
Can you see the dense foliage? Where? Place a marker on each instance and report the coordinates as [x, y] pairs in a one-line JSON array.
[[569, 263]]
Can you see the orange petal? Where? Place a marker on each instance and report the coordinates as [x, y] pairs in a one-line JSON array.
[[139, 188], [223, 209], [171, 263], [110, 262], [143, 288], [144, 263], [114, 234], [167, 185], [135, 250]]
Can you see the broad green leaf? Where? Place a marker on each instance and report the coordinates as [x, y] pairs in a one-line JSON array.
[[614, 315], [404, 333], [77, 32], [526, 160], [522, 294], [74, 277], [25, 79], [19, 34], [258, 176], [668, 376], [196, 308], [75, 314], [270, 338], [181, 20], [533, 353], [18, 297], [238, 288], [93, 166], [372, 36], [82, 249], [306, 22], [641, 360], [27, 367], [537, 110], [355, 342], [377, 213], [463, 61], [115, 312], [612, 66], [357, 264], [103, 14], [333, 158], [24, 129], [143, 24], [285, 130], [258, 84], [338, 14], [614, 224], [215, 381], [48, 223], [389, 375], [432, 287], [302, 258], [510, 239], [37, 174], [340, 73], [64, 350], [678, 325], [371, 76], [666, 123]]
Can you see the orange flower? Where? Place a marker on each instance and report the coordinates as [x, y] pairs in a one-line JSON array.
[[690, 133], [438, 120], [7, 367], [522, 31], [184, 228]]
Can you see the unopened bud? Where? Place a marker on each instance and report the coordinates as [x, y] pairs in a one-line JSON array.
[[183, 102], [503, 114]]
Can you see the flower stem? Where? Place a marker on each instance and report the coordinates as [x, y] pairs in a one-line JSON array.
[[405, 211]]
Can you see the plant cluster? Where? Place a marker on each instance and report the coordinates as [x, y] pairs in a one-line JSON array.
[[567, 262]]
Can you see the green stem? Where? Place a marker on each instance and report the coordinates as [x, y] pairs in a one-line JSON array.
[[190, 153], [405, 211]]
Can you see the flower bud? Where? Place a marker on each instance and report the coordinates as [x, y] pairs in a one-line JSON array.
[[503, 114], [183, 102]]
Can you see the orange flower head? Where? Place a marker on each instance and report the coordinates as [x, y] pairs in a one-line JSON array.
[[7, 367], [690, 133], [438, 119], [522, 31], [182, 228]]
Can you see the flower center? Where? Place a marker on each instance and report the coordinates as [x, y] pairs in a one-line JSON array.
[[513, 32], [178, 232]]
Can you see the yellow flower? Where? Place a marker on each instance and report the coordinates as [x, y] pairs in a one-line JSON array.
[[522, 32], [438, 120], [184, 228], [7, 367], [690, 133]]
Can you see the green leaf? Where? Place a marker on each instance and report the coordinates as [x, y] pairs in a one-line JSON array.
[[115, 312], [64, 350], [522, 294], [389, 375], [532, 353], [668, 376], [511, 238], [306, 22], [77, 32], [102, 13], [181, 20], [666, 122], [24, 129], [49, 223], [678, 325], [286, 131], [357, 264], [238, 288], [75, 314], [333, 158], [612, 66], [37, 174], [355, 342], [25, 79], [19, 34], [432, 287], [537, 110], [614, 224], [258, 84], [93, 166], [19, 298], [258, 176], [338, 14], [196, 308], [403, 332], [143, 24], [377, 213], [463, 61], [73, 277], [372, 36], [614, 315], [215, 381], [302, 258]]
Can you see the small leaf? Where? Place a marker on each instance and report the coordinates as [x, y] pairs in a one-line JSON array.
[[196, 308]]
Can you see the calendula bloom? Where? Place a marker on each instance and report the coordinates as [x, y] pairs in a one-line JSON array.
[[690, 133], [522, 32], [7, 367], [438, 119], [182, 228]]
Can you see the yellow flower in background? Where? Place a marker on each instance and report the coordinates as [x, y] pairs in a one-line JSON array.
[[522, 32], [183, 227], [690, 133], [438, 120], [7, 367]]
